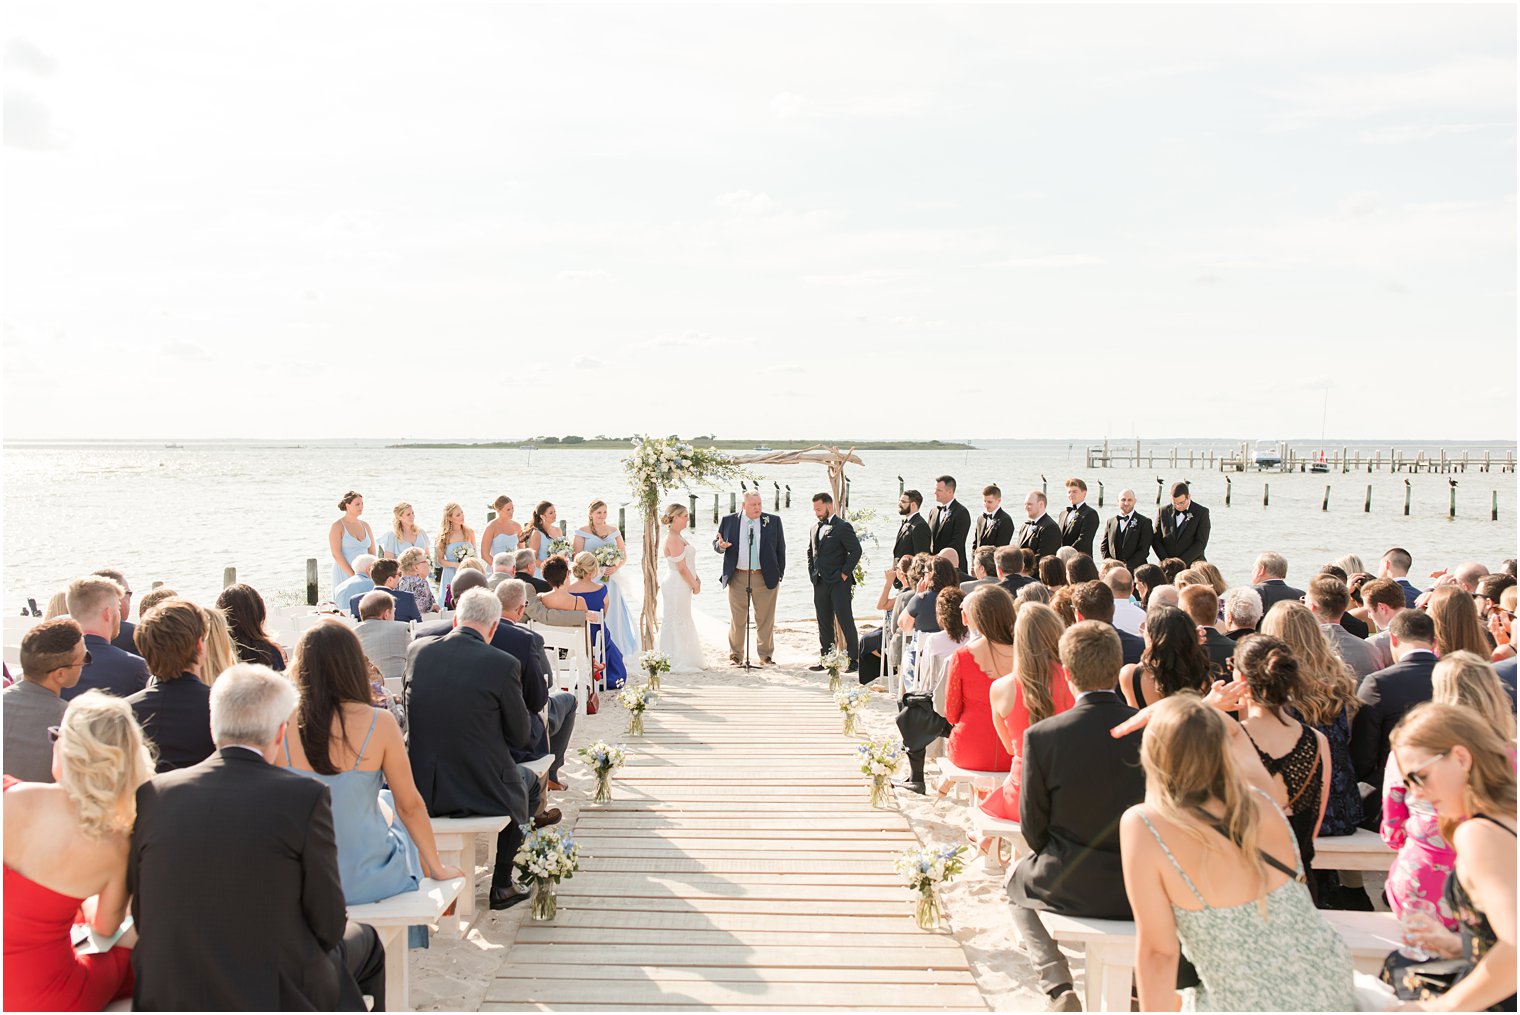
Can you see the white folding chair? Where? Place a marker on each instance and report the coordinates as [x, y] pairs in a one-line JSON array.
[[572, 670]]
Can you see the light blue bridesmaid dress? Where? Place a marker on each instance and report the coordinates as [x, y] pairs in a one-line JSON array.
[[620, 629], [502, 542], [451, 553], [543, 544], [350, 549], [393, 547]]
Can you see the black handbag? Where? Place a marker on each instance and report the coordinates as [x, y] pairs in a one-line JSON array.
[[918, 723]]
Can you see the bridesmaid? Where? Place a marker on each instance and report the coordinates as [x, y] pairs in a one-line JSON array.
[[593, 537], [404, 533], [503, 533], [456, 540], [542, 529], [349, 537], [598, 534]]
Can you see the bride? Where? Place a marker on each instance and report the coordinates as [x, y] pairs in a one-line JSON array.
[[678, 633]]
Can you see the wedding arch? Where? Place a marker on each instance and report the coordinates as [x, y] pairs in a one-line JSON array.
[[661, 464]]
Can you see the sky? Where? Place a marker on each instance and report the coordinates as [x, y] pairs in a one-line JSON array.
[[478, 221]]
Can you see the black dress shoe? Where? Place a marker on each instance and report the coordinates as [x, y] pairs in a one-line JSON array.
[[506, 898], [816, 669], [912, 787], [852, 668]]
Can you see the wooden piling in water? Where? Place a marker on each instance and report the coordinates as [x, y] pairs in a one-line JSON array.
[[229, 576], [1158, 489], [778, 493], [1367, 504], [1406, 498], [900, 486], [1227, 491], [1451, 510], [1494, 514], [1100, 493], [1266, 494], [715, 509], [789, 496], [1324, 505], [311, 581], [623, 522], [733, 502], [692, 510]]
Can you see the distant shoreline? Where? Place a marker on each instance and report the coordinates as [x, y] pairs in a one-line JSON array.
[[721, 445]]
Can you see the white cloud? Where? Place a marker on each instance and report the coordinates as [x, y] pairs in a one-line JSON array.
[[1408, 133], [1052, 261], [1470, 83], [28, 122], [745, 201], [23, 55], [578, 275]]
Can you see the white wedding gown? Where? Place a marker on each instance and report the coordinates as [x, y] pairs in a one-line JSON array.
[[678, 632]]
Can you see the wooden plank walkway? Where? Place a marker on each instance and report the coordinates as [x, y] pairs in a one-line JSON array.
[[739, 865]]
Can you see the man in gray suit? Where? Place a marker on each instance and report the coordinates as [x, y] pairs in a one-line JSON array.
[[503, 566], [983, 568], [383, 639], [1327, 598], [52, 657]]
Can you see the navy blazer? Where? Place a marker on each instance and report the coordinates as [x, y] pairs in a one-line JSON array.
[[176, 716], [1386, 696], [110, 669], [527, 647], [1133, 645], [1410, 592], [406, 604], [126, 638], [772, 548]]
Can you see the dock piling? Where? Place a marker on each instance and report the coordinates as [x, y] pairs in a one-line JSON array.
[[1451, 511], [1266, 494], [1227, 491], [229, 576], [1324, 505], [1406, 498], [1367, 504], [1100, 493], [311, 581]]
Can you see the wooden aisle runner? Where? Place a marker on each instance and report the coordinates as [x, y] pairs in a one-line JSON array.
[[739, 865]]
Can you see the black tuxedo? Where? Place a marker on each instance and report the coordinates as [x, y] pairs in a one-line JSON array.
[[1042, 536], [1275, 590], [1078, 781], [1220, 648], [1133, 545], [1079, 527], [948, 527], [833, 552], [1188, 540], [176, 716], [996, 531], [236, 897], [1386, 696], [912, 537]]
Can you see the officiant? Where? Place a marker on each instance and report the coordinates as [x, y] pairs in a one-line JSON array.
[[754, 559]]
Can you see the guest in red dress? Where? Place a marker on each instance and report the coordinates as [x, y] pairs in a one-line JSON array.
[[1036, 689], [974, 743], [65, 844]]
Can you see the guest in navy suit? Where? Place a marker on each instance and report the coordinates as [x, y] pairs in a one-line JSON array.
[[1269, 579], [175, 712], [1094, 600], [1009, 561], [527, 647], [753, 545], [1386, 696], [95, 604], [386, 575], [124, 639], [1395, 567]]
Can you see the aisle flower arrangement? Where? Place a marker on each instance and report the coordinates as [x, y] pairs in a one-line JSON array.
[[636, 700], [850, 702], [878, 759], [654, 663], [834, 660], [925, 867], [542, 860], [604, 759]]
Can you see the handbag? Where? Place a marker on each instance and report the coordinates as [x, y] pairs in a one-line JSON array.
[[918, 723], [1413, 980]]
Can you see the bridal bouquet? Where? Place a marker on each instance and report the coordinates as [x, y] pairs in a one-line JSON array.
[[542, 860], [562, 547], [636, 700], [834, 660], [464, 551], [924, 867], [655, 663], [604, 759], [878, 758], [849, 703], [609, 555]]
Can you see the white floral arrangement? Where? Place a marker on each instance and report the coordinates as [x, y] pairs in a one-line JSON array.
[[654, 662], [603, 757], [924, 867], [636, 699], [834, 660], [546, 854], [853, 700], [609, 555], [879, 758], [562, 547], [663, 463]]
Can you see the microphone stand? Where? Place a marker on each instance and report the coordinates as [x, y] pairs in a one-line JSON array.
[[749, 595]]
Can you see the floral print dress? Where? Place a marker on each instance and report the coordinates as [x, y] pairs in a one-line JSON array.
[[1425, 859]]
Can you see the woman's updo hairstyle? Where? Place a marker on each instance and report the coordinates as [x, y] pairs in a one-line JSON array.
[[102, 759], [348, 498], [671, 512], [1269, 669], [585, 566]]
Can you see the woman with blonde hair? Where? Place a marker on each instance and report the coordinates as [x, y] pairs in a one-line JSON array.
[[1451, 757], [221, 653], [57, 605], [404, 533], [1210, 863], [1326, 701], [1466, 678], [66, 847], [1458, 628], [585, 570], [1035, 690], [456, 541], [594, 537], [678, 632]]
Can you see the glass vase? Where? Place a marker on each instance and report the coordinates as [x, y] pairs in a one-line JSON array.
[[834, 681], [636, 723], [603, 788], [545, 898], [654, 681], [878, 790], [927, 913], [849, 724]]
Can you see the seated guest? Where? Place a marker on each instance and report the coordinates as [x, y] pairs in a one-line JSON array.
[[1036, 690], [1165, 596], [234, 875], [468, 579], [1501, 625], [1242, 612], [385, 574], [1171, 567], [1060, 601], [1269, 579], [244, 609], [1173, 660], [1148, 577], [871, 643], [1202, 607], [936, 648], [1355, 626], [1052, 572], [536, 611], [983, 568], [358, 583], [221, 653], [1034, 592], [1009, 561], [1458, 628], [175, 710], [1386, 696], [1384, 599], [1081, 568], [1410, 823], [124, 639], [527, 647], [383, 640], [1210, 866], [973, 744], [1128, 616], [451, 594], [1078, 778], [1294, 754], [385, 840], [413, 565], [155, 597], [1395, 567], [1452, 757], [66, 847], [1094, 600], [525, 567], [1327, 599], [95, 604], [52, 657], [466, 715], [503, 566], [57, 605]]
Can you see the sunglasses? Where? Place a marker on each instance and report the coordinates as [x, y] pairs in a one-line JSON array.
[[1413, 779]]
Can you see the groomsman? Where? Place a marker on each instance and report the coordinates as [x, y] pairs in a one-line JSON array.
[[833, 552], [1182, 528], [995, 526], [913, 536], [1127, 536], [1039, 534], [1079, 523], [949, 522]]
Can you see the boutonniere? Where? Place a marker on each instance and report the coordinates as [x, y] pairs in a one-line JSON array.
[[824, 530], [765, 520]]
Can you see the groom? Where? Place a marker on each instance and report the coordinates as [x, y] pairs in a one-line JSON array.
[[754, 558], [833, 552]]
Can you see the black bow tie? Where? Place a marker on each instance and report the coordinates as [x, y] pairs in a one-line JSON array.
[[990, 517]]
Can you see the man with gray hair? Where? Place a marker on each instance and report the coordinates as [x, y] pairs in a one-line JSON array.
[[527, 647], [1268, 579], [503, 566], [526, 565], [383, 638], [466, 716], [1242, 612], [259, 841], [1164, 595], [358, 583]]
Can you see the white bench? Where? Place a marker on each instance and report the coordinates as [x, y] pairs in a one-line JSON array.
[[391, 917], [455, 838], [1360, 851], [969, 778], [1109, 949], [1000, 830]]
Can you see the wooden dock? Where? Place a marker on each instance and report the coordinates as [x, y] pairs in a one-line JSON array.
[[1299, 459], [739, 865]]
